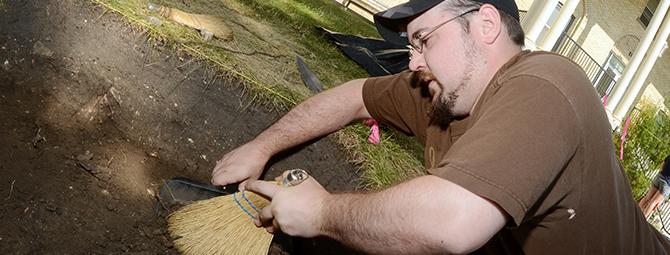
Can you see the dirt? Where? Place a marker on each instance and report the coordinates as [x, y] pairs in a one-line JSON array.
[[95, 115]]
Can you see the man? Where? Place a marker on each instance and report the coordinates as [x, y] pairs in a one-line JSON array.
[[659, 191], [517, 145]]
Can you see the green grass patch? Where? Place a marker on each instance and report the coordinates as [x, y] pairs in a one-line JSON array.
[[646, 146], [268, 35]]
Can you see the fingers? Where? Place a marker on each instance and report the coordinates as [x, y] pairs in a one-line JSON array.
[[263, 188], [265, 216], [241, 164], [222, 177]]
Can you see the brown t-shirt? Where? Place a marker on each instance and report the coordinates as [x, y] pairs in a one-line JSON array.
[[538, 144]]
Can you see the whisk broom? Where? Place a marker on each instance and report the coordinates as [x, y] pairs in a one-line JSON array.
[[207, 25], [223, 225]]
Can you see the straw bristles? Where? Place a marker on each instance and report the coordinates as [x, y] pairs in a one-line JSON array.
[[199, 21], [219, 226]]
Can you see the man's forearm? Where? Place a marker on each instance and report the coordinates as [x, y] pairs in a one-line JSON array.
[[427, 215], [318, 116]]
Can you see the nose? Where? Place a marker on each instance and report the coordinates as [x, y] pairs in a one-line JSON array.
[[416, 61]]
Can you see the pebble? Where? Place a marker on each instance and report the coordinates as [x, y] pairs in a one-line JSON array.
[[51, 207]]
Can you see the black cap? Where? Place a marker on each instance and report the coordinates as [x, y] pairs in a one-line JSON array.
[[392, 22]]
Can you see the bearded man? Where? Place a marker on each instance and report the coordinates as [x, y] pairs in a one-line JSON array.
[[517, 147]]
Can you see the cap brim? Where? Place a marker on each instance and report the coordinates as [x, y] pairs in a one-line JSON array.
[[391, 24]]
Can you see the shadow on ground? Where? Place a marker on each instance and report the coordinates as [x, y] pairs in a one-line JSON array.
[[95, 115]]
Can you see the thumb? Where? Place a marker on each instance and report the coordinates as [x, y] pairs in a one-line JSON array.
[[263, 188]]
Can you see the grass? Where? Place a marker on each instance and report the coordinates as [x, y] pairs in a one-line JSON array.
[[269, 34]]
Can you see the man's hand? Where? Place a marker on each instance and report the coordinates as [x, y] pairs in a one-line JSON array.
[[240, 165], [296, 211]]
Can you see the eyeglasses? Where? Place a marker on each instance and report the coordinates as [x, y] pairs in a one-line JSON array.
[[417, 42]]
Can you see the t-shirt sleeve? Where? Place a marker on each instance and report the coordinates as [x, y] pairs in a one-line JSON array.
[[399, 101], [517, 146]]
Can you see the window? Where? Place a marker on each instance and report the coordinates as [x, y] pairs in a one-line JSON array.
[[607, 78], [648, 12]]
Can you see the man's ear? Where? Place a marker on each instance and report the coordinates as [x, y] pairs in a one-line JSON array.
[[491, 24]]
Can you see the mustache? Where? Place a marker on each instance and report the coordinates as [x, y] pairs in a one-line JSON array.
[[425, 76]]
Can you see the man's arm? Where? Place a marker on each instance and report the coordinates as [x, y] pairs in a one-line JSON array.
[[423, 216], [319, 115], [426, 215]]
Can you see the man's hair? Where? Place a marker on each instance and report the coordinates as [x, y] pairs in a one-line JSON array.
[[513, 26]]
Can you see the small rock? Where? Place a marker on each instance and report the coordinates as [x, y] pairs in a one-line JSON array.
[[51, 207], [111, 208], [103, 173], [40, 49], [86, 156], [86, 166]]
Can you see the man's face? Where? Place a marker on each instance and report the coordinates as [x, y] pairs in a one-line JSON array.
[[446, 63]]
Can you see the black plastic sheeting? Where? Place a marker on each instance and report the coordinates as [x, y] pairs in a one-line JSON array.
[[377, 57]]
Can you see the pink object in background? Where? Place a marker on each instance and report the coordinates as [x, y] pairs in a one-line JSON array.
[[623, 137], [374, 137]]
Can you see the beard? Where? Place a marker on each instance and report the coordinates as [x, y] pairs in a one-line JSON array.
[[442, 111]]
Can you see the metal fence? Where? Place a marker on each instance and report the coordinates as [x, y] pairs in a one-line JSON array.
[[661, 217], [601, 79]]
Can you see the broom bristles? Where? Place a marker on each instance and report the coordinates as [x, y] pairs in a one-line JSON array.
[[219, 226]]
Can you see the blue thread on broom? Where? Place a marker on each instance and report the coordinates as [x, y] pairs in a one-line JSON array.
[[242, 207], [249, 202]]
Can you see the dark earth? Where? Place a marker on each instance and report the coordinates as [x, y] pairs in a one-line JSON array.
[[95, 115]]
